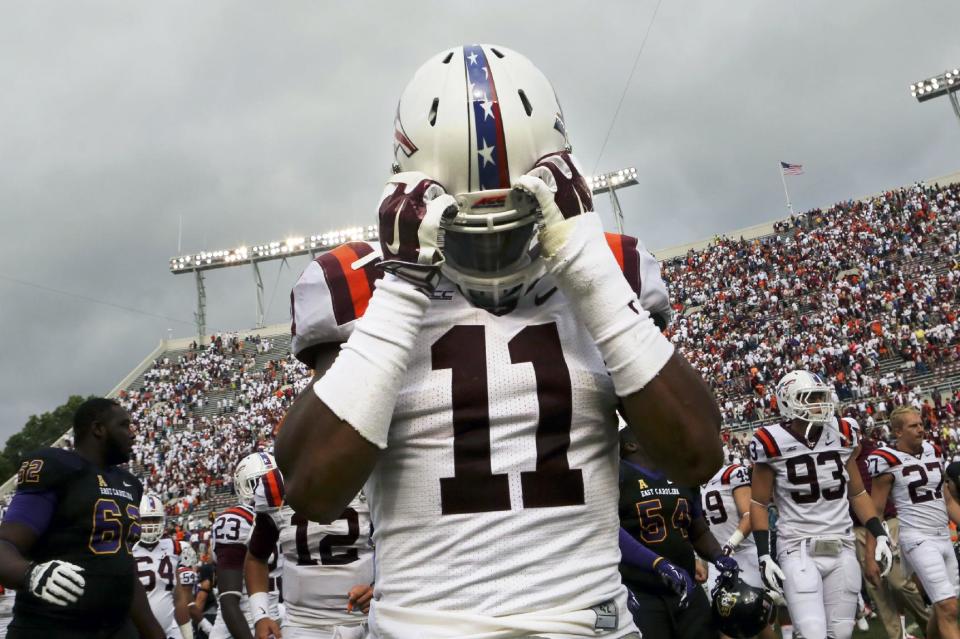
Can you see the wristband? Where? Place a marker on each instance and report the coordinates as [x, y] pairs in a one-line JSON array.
[[259, 606], [362, 385], [762, 539], [875, 527], [735, 538], [633, 348]]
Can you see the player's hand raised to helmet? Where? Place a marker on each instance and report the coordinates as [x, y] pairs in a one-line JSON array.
[[556, 187], [412, 208]]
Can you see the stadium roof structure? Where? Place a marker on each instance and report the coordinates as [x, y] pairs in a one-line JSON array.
[[198, 263]]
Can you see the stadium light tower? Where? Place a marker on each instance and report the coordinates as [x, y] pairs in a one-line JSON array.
[[609, 183], [947, 83], [199, 263]]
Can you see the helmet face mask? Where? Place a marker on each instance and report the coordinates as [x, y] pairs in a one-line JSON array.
[[152, 519], [513, 120], [802, 395]]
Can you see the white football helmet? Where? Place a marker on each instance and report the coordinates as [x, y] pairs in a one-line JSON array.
[[153, 518], [249, 471], [188, 556], [512, 120], [804, 395]]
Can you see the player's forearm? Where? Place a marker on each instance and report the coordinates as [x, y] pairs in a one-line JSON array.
[[324, 460], [141, 615], [181, 604], [199, 603], [678, 421], [13, 566], [864, 507], [233, 617], [256, 573], [745, 527], [703, 541], [635, 554]]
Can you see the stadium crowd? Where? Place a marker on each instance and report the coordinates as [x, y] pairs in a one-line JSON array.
[[836, 291], [198, 415]]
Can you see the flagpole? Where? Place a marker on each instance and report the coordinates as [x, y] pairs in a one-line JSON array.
[[783, 178]]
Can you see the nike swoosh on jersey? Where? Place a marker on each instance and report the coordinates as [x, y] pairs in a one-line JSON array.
[[394, 246], [540, 299]]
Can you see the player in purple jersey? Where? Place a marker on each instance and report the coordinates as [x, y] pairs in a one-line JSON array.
[[68, 536]]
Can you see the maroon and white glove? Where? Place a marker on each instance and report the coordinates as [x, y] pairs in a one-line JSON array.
[[555, 186], [411, 210]]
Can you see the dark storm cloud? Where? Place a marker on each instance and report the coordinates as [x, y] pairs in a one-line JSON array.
[[250, 122]]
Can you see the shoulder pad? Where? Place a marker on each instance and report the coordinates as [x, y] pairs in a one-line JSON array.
[[642, 272], [46, 469], [269, 493], [850, 431], [332, 293], [763, 447], [735, 476], [241, 511], [881, 461]]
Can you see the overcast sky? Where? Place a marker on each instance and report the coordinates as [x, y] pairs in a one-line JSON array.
[[252, 121]]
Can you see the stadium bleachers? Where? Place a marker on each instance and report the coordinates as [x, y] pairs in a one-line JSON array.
[[864, 292]]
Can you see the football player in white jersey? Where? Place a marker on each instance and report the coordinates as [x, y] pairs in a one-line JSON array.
[[807, 466], [726, 507], [228, 543], [327, 568], [158, 566], [912, 473], [474, 397]]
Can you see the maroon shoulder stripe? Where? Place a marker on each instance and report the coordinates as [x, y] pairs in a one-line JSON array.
[[768, 442], [888, 456], [240, 512], [725, 477]]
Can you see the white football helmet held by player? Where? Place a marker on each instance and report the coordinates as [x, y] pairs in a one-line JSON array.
[[513, 120], [188, 556], [805, 396], [152, 518], [249, 471]]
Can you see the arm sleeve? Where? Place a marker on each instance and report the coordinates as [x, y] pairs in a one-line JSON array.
[[634, 553], [33, 510], [263, 539]]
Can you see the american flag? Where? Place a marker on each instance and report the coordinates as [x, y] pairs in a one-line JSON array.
[[791, 169]]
